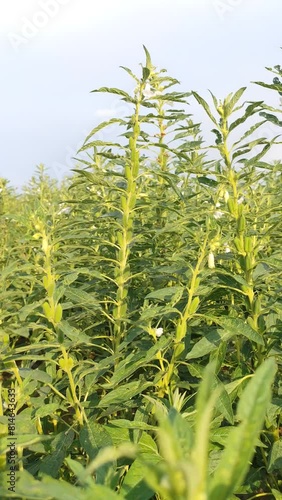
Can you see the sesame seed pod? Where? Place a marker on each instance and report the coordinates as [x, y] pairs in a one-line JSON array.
[[231, 204], [238, 244], [248, 244], [256, 306], [241, 223], [194, 305]]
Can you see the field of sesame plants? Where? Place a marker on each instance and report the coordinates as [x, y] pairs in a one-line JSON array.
[[141, 309]]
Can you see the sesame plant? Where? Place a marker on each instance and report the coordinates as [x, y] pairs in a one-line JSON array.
[[140, 315]]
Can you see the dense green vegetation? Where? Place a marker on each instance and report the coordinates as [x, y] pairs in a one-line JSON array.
[[140, 308]]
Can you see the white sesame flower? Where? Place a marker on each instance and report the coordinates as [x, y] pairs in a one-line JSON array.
[[159, 332], [218, 214], [241, 200], [65, 210], [147, 92], [226, 196], [217, 205], [165, 482], [211, 263], [227, 249]]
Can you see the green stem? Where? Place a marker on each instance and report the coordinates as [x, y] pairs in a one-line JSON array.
[[125, 236], [79, 412]]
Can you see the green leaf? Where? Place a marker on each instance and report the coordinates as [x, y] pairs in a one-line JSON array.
[[231, 102], [215, 101], [135, 361], [207, 181], [103, 125], [97, 143], [165, 294], [275, 457], [123, 393], [72, 333], [209, 343], [223, 403], [51, 464], [148, 59], [126, 97], [263, 152], [205, 105], [134, 486], [78, 296], [249, 111], [53, 489], [236, 326], [205, 403], [271, 86], [277, 494], [47, 409], [271, 118], [93, 438], [239, 450], [145, 73], [35, 374], [127, 424], [249, 132], [128, 70]]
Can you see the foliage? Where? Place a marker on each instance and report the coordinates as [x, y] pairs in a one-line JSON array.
[[140, 317]]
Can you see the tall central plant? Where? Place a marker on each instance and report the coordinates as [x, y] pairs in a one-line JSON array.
[[150, 92]]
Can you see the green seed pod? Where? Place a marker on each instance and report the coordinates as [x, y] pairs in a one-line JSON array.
[[179, 350], [220, 110], [69, 396], [136, 129], [45, 244], [242, 262], [251, 323], [127, 172], [131, 143], [238, 245], [248, 244], [241, 223], [49, 313], [132, 201], [123, 202], [248, 263], [58, 313], [120, 238], [197, 283], [256, 306], [231, 204], [60, 337], [194, 305], [45, 282]]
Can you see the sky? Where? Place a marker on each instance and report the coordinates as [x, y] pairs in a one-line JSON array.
[[54, 52]]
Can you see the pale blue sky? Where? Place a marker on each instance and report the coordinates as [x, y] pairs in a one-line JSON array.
[[54, 52]]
